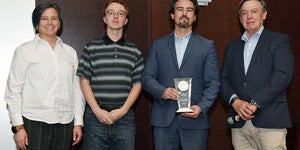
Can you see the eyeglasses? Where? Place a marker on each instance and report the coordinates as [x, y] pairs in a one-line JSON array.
[[112, 13]]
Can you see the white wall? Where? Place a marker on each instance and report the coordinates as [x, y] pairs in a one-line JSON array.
[[15, 29]]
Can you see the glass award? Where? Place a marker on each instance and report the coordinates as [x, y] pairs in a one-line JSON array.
[[183, 85]]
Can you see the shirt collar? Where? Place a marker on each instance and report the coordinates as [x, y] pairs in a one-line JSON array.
[[108, 40], [256, 35], [38, 39], [187, 36]]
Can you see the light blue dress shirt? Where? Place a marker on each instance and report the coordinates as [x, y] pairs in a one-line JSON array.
[[180, 45], [249, 47]]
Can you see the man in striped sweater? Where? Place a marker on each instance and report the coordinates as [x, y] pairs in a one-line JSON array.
[[110, 70]]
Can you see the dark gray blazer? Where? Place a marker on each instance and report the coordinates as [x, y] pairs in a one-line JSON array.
[[200, 62], [268, 76]]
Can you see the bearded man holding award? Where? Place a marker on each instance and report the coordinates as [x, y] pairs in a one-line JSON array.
[[182, 75]]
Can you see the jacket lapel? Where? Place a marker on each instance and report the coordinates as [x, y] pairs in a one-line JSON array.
[[188, 50], [256, 52], [240, 54], [172, 49]]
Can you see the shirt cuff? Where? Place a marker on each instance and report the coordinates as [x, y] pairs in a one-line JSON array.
[[16, 120], [233, 95], [78, 120]]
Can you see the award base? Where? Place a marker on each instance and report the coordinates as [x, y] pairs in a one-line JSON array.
[[181, 110]]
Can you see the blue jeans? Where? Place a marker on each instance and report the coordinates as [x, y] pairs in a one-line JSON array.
[[98, 136]]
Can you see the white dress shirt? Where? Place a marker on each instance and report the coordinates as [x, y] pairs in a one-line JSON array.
[[42, 84]]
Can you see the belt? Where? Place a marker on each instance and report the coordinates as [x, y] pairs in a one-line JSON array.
[[110, 107]]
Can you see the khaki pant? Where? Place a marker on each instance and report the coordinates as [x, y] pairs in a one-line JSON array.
[[250, 137]]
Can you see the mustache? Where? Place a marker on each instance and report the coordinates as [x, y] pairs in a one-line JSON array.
[[184, 17]]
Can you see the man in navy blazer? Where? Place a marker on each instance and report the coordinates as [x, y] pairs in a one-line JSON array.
[[181, 54], [257, 69]]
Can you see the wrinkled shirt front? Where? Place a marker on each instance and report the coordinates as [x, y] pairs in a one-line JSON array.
[[42, 85]]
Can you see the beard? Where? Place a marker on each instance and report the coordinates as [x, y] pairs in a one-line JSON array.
[[184, 24]]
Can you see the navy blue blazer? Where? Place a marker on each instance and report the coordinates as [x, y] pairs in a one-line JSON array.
[[268, 76], [200, 62]]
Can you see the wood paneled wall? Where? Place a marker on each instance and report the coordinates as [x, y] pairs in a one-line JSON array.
[[149, 20]]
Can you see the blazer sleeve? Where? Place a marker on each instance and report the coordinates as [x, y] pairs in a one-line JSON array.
[[282, 71], [211, 79], [226, 88], [149, 76]]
